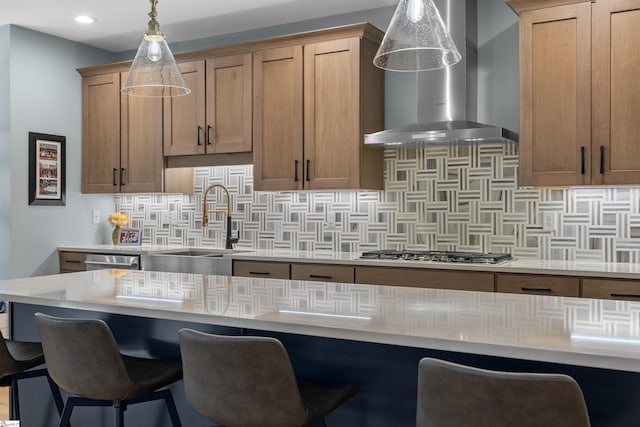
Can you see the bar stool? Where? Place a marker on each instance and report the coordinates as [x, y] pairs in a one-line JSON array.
[[83, 358], [456, 395], [241, 381], [16, 360]]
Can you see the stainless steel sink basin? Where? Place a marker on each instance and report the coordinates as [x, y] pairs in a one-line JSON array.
[[200, 261]]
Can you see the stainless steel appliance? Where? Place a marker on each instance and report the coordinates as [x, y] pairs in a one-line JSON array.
[[104, 261], [438, 256], [199, 261]]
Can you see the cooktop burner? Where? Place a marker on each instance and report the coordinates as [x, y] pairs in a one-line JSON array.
[[438, 256]]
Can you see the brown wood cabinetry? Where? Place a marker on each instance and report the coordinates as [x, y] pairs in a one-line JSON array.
[[425, 278], [611, 289], [313, 103], [579, 97], [216, 116], [122, 141], [323, 272], [71, 261], [267, 270], [564, 286]]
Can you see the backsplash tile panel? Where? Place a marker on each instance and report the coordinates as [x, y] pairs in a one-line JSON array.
[[450, 198]]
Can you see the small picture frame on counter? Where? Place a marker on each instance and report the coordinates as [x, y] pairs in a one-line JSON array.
[[129, 236], [46, 169]]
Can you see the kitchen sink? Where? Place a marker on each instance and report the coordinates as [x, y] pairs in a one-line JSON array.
[[199, 261]]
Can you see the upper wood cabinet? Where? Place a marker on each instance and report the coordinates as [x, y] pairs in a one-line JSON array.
[[313, 103], [579, 95], [122, 138], [216, 116]]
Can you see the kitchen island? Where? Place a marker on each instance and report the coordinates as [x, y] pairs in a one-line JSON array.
[[370, 334]]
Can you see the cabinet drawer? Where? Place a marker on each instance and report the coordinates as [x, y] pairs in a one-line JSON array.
[[538, 285], [271, 270], [323, 272], [426, 278], [72, 261], [611, 289]]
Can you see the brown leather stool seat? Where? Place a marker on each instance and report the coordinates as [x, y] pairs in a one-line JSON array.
[[83, 358], [16, 360], [450, 394], [249, 381]]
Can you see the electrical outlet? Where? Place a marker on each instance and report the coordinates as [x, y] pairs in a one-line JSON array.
[[95, 216], [165, 218], [548, 221], [174, 217]]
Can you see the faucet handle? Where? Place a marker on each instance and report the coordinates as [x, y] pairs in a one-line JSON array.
[[235, 239]]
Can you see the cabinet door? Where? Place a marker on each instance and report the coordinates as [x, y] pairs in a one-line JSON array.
[[611, 289], [267, 270], [616, 92], [141, 160], [101, 133], [72, 261], [184, 116], [555, 95], [229, 120], [277, 126], [425, 278], [323, 272], [538, 285], [331, 114]]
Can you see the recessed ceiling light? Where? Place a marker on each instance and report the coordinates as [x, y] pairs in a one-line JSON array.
[[84, 19]]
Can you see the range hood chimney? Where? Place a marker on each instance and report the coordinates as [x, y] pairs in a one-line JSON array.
[[447, 98]]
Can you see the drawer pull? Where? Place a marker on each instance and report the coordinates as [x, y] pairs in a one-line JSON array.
[[260, 273], [625, 296], [536, 289], [319, 276], [69, 261]]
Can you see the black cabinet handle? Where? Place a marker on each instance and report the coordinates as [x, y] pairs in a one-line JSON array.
[[582, 160], [209, 128], [319, 276], [536, 289], [199, 132], [113, 176], [70, 261], [602, 159], [295, 176], [625, 296], [122, 176], [259, 273], [308, 167]]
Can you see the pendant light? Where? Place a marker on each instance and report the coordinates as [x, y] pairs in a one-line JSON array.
[[154, 71], [416, 40]]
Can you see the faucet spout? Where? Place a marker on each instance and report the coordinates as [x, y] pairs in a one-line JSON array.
[[205, 213]]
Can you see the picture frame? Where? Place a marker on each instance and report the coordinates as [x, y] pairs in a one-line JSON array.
[[47, 169], [129, 237]]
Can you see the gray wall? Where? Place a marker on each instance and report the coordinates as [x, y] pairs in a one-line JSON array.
[[46, 97], [5, 171]]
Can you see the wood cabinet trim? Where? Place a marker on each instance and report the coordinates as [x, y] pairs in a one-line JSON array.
[[519, 6]]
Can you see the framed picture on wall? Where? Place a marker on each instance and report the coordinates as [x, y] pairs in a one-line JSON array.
[[46, 169]]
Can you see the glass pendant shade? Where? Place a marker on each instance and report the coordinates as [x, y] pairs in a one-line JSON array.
[[416, 40], [154, 71]]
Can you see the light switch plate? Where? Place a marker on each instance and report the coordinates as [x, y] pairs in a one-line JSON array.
[[165, 218], [95, 216], [548, 221]]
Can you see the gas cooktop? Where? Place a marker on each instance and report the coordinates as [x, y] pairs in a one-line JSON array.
[[438, 256]]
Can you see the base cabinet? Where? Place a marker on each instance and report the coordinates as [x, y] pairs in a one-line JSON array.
[[426, 278], [538, 285], [611, 289]]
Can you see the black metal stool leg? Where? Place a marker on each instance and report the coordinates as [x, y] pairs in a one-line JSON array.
[[57, 397], [66, 413], [119, 408], [15, 403], [173, 411]]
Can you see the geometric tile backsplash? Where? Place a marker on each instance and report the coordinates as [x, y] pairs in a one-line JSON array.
[[454, 198]]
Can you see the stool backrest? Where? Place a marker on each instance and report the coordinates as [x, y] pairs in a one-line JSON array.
[[455, 395], [7, 361], [82, 357], [240, 381]]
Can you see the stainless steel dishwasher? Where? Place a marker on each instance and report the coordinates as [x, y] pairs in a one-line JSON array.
[[104, 261]]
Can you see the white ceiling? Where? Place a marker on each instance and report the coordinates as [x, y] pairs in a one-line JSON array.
[[121, 23]]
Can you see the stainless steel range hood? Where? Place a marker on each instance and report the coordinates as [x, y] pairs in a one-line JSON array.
[[447, 98]]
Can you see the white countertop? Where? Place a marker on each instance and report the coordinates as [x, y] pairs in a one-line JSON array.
[[585, 332], [564, 268]]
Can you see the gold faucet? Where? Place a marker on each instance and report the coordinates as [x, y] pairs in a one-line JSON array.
[[205, 214]]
